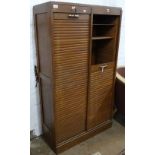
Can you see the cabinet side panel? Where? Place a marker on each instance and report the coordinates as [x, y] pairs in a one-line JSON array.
[[43, 44], [44, 56], [46, 101]]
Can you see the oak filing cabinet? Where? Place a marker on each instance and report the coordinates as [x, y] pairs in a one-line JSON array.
[[77, 48]]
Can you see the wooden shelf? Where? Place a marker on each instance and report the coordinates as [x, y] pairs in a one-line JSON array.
[[101, 38], [104, 24]]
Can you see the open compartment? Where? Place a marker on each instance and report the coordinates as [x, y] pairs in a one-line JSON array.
[[100, 31], [104, 19], [104, 26], [102, 51]]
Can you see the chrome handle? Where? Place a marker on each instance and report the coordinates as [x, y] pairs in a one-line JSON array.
[[73, 15], [108, 10], [73, 7], [102, 67], [76, 15]]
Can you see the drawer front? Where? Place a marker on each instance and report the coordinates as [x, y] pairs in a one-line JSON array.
[[100, 95], [71, 16], [106, 10], [71, 45], [71, 9]]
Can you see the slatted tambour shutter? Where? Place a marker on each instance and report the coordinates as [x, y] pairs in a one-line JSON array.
[[100, 95], [71, 46]]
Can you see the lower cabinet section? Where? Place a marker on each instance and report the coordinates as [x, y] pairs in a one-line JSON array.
[[100, 94], [83, 136], [99, 108]]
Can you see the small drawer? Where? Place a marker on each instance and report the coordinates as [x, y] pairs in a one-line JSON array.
[[106, 10], [70, 8], [71, 16]]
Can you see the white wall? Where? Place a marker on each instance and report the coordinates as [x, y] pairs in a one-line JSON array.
[[35, 118]]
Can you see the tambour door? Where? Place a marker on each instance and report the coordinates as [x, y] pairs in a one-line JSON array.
[[100, 94], [70, 60]]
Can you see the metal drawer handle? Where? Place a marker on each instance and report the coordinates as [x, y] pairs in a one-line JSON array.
[[76, 15], [102, 67], [108, 10], [73, 15]]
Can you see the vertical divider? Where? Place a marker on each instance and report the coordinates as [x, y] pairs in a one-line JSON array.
[[89, 66]]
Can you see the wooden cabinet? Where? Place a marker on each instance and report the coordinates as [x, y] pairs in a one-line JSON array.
[[77, 49]]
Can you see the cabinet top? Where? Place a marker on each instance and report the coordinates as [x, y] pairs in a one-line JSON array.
[[77, 7]]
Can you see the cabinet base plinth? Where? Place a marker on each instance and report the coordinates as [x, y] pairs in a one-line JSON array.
[[81, 137]]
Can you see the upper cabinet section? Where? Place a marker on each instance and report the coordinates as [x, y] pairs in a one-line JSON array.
[[104, 26], [104, 38], [70, 8], [63, 7]]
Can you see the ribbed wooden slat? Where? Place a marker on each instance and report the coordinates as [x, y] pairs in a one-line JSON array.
[[68, 55], [95, 94], [70, 31], [96, 84], [69, 90], [70, 22], [68, 42], [73, 107], [70, 64], [71, 28], [74, 78], [69, 37], [61, 69], [69, 96], [61, 90], [63, 118], [66, 75], [78, 46], [61, 110], [63, 85], [63, 101], [63, 58]]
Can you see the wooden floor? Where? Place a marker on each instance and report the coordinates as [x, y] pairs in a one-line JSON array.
[[110, 142]]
